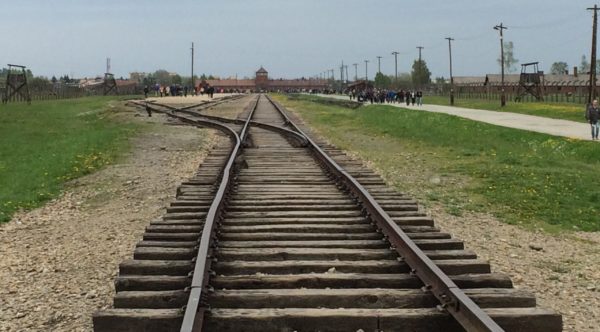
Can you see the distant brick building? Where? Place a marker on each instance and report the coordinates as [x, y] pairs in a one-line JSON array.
[[262, 83]]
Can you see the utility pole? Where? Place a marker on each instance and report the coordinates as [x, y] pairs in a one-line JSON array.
[[379, 63], [592, 93], [501, 28], [395, 54], [366, 70], [419, 67], [193, 80], [347, 79], [342, 77], [355, 71], [451, 77]]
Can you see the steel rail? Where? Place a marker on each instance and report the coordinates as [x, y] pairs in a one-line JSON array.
[[194, 310], [468, 314], [206, 103], [284, 131], [195, 122]]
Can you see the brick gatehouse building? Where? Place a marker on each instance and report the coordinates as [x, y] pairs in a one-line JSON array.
[[262, 83]]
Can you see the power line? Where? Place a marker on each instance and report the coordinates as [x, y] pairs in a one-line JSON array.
[[555, 23]]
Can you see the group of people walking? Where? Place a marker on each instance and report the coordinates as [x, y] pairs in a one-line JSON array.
[[592, 114], [178, 90], [381, 96]]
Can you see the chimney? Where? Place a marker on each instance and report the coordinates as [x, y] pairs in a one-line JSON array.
[[575, 71], [567, 71]]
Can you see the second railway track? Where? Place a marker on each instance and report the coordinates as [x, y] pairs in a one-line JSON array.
[[297, 247]]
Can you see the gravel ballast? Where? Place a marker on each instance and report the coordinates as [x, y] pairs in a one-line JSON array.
[[58, 262]]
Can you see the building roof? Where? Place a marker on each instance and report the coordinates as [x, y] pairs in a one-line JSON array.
[[496, 79], [296, 83], [514, 79], [357, 84], [468, 80], [261, 70], [561, 79], [125, 83], [231, 83]]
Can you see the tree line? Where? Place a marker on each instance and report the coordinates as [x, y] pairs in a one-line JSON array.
[[33, 81], [557, 68], [164, 77]]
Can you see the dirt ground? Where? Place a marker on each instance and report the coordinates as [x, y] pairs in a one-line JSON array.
[[189, 100], [563, 271], [58, 262]]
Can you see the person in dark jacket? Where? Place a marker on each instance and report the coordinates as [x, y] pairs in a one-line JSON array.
[[593, 115]]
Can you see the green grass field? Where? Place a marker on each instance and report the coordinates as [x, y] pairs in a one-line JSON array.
[[565, 111], [525, 178], [50, 142]]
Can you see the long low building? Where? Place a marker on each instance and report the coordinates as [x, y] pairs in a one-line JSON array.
[[551, 84], [262, 82]]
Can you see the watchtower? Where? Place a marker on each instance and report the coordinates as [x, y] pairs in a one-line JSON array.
[[16, 84], [110, 84], [262, 79], [531, 82]]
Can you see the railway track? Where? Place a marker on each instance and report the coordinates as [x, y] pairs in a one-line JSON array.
[[278, 233]]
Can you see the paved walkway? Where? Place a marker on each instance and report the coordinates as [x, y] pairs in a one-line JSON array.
[[538, 124]]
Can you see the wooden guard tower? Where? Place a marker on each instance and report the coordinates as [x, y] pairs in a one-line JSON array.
[[531, 82], [110, 84], [16, 84]]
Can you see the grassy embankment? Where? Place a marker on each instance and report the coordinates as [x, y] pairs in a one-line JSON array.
[[525, 178], [565, 111], [48, 143]]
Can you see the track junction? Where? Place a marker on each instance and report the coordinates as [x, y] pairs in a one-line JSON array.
[[279, 231]]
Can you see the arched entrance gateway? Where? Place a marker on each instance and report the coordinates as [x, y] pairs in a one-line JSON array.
[[261, 82]]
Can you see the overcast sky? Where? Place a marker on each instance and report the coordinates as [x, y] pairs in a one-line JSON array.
[[290, 38]]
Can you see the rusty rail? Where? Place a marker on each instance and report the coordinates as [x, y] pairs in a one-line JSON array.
[[451, 297], [300, 139], [194, 310]]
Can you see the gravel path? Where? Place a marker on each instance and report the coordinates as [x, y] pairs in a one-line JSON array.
[[538, 124], [58, 262]]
